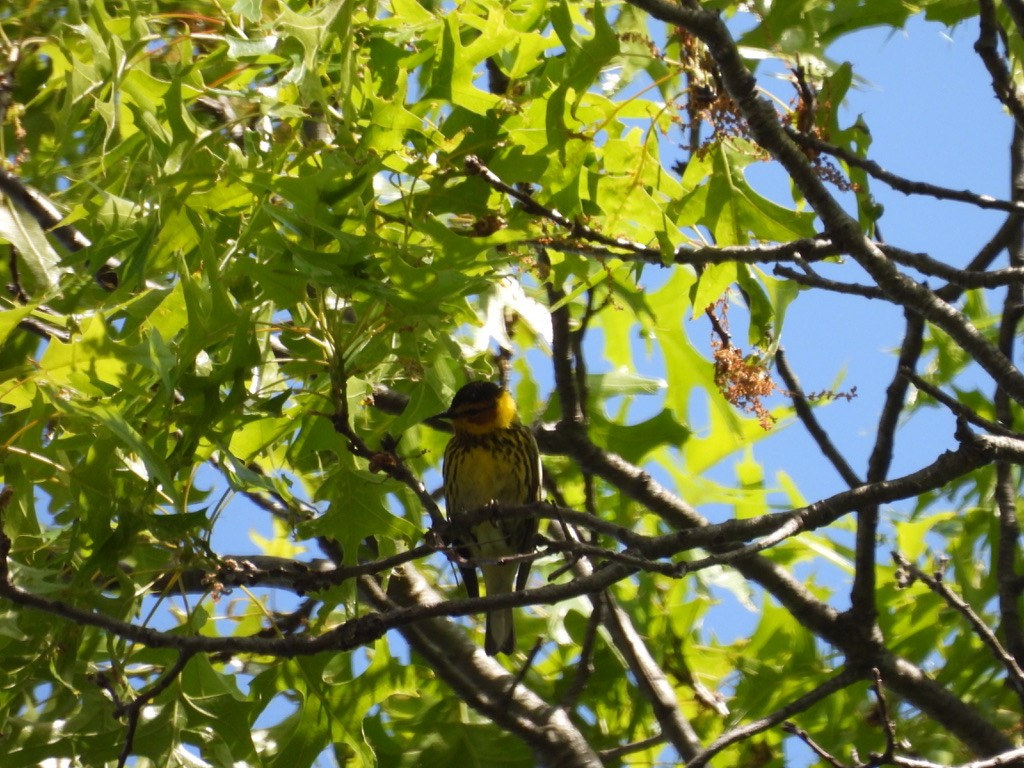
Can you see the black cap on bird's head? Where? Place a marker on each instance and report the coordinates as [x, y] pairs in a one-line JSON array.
[[475, 392], [480, 406]]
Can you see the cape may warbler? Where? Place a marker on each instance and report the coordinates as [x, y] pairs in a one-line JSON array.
[[492, 459]]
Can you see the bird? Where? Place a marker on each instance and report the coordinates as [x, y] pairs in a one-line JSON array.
[[492, 458]]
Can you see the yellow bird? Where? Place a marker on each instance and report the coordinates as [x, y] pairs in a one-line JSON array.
[[492, 459]]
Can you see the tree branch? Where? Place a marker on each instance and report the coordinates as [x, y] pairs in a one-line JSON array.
[[1015, 674], [960, 410], [811, 279], [988, 50], [810, 421], [842, 229], [478, 679], [1006, 490], [133, 709], [862, 595], [651, 680], [844, 679], [901, 183]]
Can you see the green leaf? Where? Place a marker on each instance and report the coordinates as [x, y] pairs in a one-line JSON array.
[[42, 267], [249, 9], [713, 281], [358, 511], [10, 318], [733, 211], [634, 442]]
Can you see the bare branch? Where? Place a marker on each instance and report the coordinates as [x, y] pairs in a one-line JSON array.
[[1006, 554], [1006, 491], [1002, 239], [811, 279], [844, 679], [611, 755], [586, 241], [816, 748], [384, 460], [862, 593], [887, 723], [585, 664], [987, 49], [901, 183], [810, 421], [651, 679], [276, 572], [479, 680], [561, 352], [1015, 675], [530, 205], [1009, 758], [964, 278], [809, 249], [958, 408], [133, 709]]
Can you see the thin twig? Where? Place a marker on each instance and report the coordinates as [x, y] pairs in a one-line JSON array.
[[888, 725], [844, 679], [651, 680], [587, 241], [816, 748], [863, 594], [1015, 675], [806, 415], [562, 361], [987, 49], [1004, 760], [958, 408], [599, 554], [901, 183], [965, 278], [585, 664], [615, 754], [1006, 489], [475, 678], [531, 656], [133, 709], [282, 573], [811, 279], [386, 459], [474, 166], [1003, 238]]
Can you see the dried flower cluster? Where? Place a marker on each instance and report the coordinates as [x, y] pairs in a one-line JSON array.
[[743, 382]]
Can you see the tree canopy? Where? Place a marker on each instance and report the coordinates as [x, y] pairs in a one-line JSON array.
[[250, 251]]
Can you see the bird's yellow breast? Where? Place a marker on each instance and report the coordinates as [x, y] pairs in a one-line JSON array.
[[477, 475]]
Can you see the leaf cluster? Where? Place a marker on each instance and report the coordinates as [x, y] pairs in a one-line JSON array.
[[249, 252]]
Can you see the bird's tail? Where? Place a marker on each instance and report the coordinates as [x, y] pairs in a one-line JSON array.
[[500, 636]]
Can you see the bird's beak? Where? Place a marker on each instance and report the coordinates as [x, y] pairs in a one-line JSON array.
[[442, 415]]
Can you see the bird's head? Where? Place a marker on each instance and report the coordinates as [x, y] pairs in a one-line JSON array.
[[481, 407]]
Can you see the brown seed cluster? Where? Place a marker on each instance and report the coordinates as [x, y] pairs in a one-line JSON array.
[[743, 382]]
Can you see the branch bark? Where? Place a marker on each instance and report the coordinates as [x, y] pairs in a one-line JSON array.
[[478, 679]]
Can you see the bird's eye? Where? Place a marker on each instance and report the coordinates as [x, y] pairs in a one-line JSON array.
[[476, 409]]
